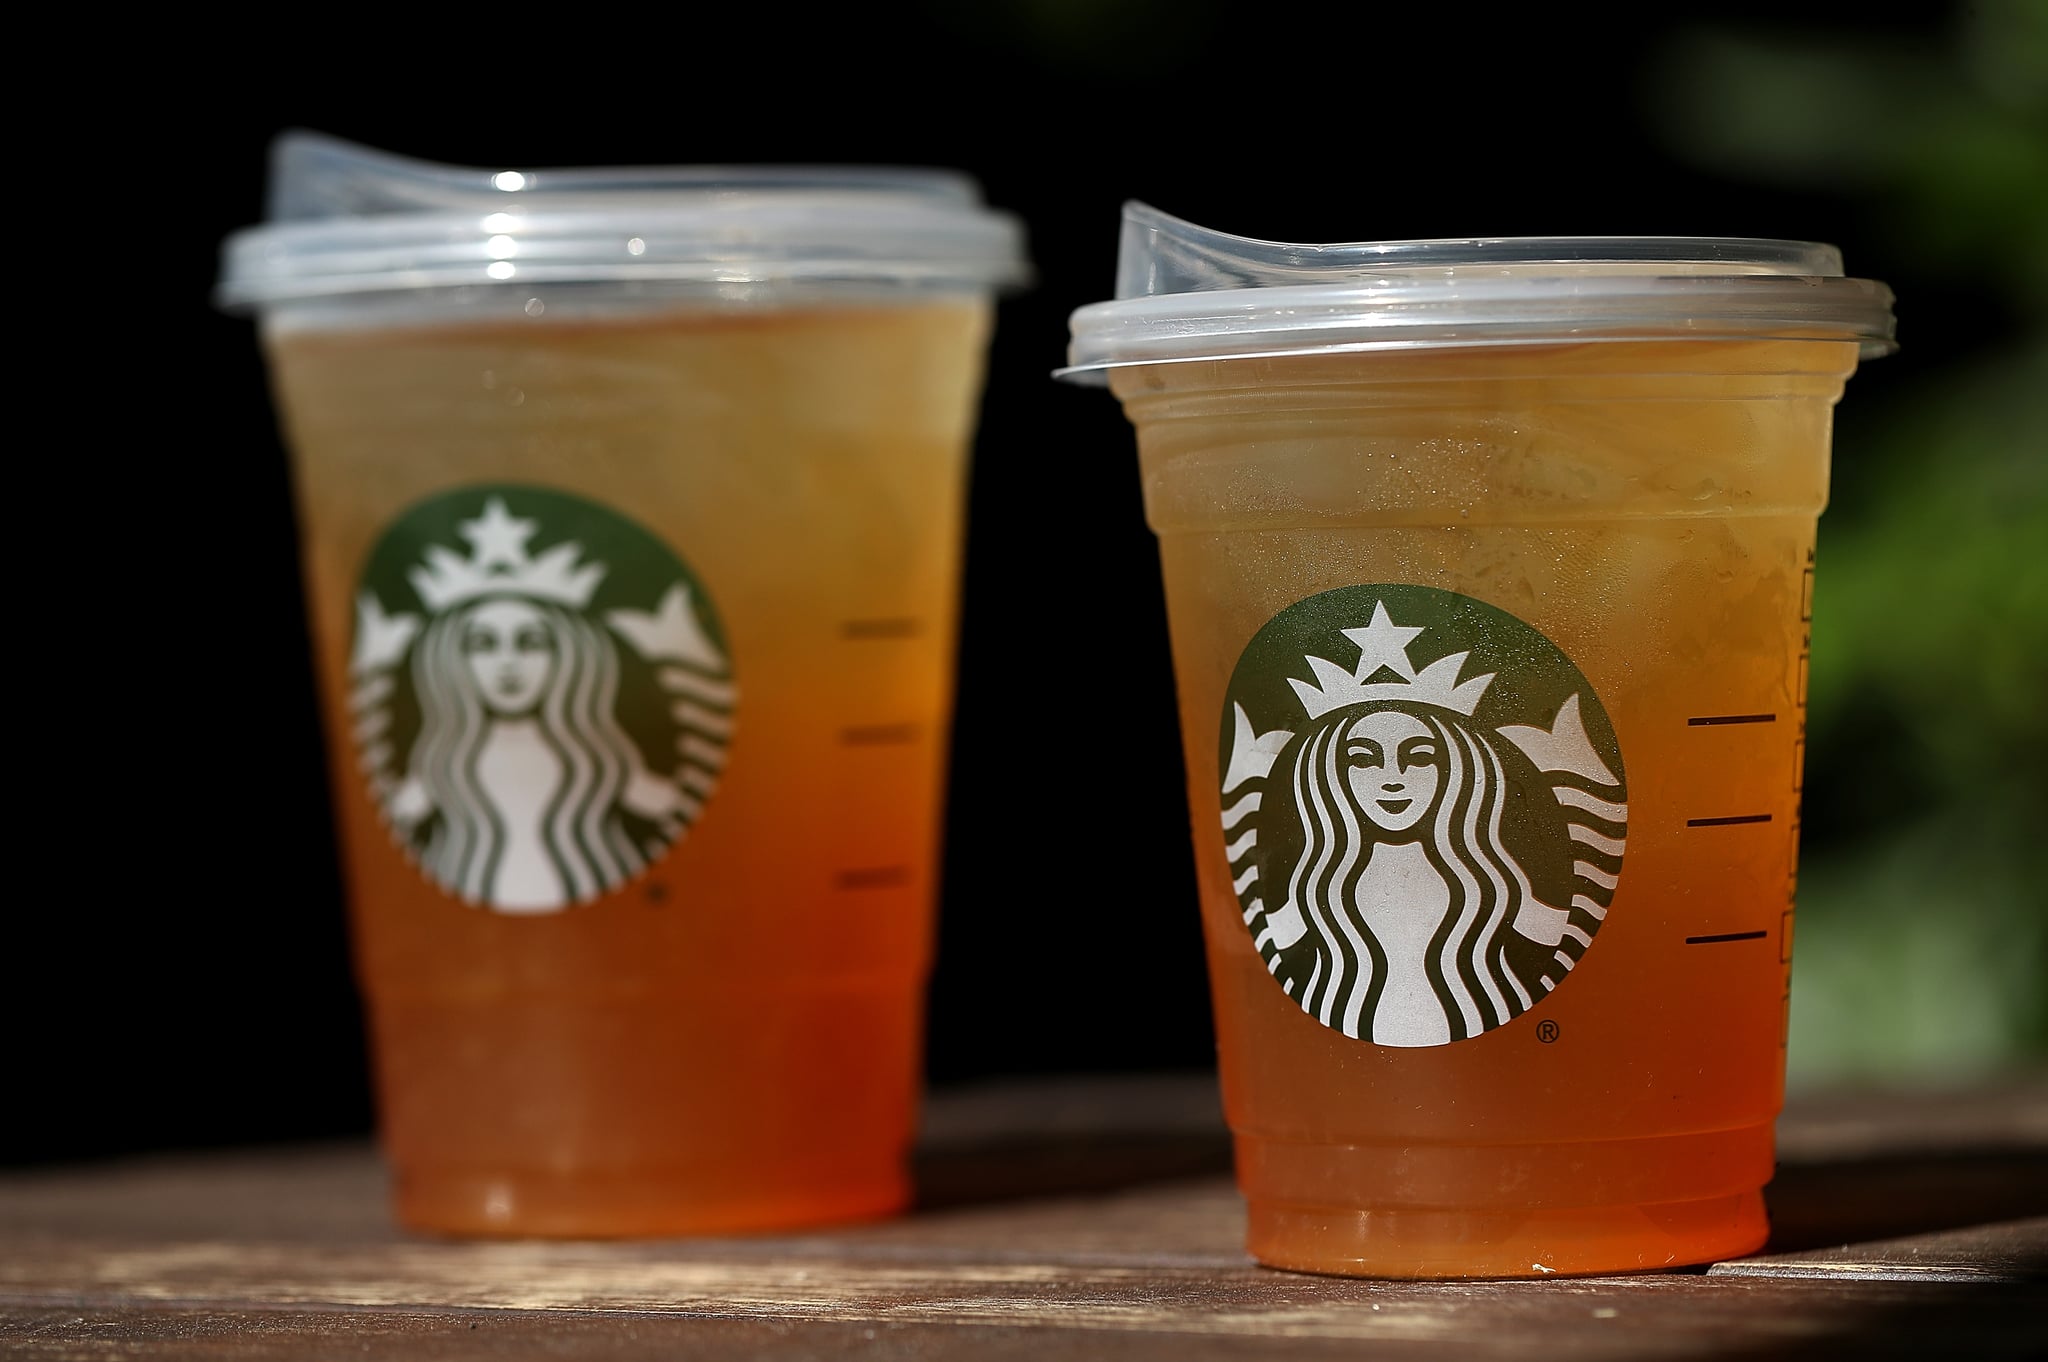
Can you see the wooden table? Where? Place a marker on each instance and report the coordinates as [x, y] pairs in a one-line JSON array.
[[1065, 1220]]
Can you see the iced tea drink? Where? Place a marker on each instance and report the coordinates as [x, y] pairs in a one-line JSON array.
[[1491, 661], [634, 615]]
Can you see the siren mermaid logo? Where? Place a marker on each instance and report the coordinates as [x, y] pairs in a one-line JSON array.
[[540, 694], [1424, 840]]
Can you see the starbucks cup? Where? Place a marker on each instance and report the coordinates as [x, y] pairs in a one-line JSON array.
[[631, 509], [1489, 567]]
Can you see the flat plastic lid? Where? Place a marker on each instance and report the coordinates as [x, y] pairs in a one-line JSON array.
[[345, 219], [1187, 293]]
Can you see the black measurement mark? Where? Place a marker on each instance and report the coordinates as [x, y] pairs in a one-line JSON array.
[[1713, 720], [874, 877], [878, 735], [904, 626], [1727, 822], [1725, 936]]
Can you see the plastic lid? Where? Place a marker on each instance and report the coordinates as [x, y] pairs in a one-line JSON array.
[[345, 219], [1189, 293]]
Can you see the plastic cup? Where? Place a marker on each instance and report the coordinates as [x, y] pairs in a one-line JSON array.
[[631, 510], [1489, 567]]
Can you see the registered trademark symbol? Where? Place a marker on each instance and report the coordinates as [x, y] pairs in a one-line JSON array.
[[1546, 1031], [657, 894]]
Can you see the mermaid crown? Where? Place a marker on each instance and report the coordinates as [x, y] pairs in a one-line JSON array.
[[498, 564], [1383, 648]]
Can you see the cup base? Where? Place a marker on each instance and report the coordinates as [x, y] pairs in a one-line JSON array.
[[639, 1204], [1505, 1210], [1550, 1242]]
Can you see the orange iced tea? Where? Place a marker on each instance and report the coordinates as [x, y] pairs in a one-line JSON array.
[[635, 637], [1492, 667]]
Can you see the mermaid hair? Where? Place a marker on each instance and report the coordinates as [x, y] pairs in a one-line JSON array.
[[585, 839], [1467, 957]]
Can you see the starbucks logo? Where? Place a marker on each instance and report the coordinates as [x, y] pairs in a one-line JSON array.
[[1424, 809], [540, 694]]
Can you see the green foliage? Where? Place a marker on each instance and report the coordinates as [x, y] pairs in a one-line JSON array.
[[1905, 967]]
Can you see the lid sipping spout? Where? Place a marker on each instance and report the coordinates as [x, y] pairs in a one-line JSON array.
[[1160, 253], [315, 176]]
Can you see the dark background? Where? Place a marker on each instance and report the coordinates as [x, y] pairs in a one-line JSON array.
[[183, 979]]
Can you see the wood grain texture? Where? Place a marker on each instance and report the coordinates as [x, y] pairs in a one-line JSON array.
[[1672, 1318], [1076, 1221]]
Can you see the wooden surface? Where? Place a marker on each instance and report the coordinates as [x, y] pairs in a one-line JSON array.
[[1068, 1220]]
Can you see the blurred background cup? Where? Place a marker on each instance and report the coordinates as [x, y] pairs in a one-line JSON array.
[[1489, 569], [631, 511]]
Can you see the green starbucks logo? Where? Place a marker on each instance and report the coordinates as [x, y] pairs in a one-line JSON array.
[[540, 692], [1424, 809]]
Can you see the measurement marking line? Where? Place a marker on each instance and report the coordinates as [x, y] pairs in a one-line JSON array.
[[878, 735], [1725, 936], [874, 877], [1727, 822], [1711, 720], [902, 626]]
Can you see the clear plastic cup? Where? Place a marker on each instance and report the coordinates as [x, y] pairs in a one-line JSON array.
[[631, 509], [1489, 567]]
